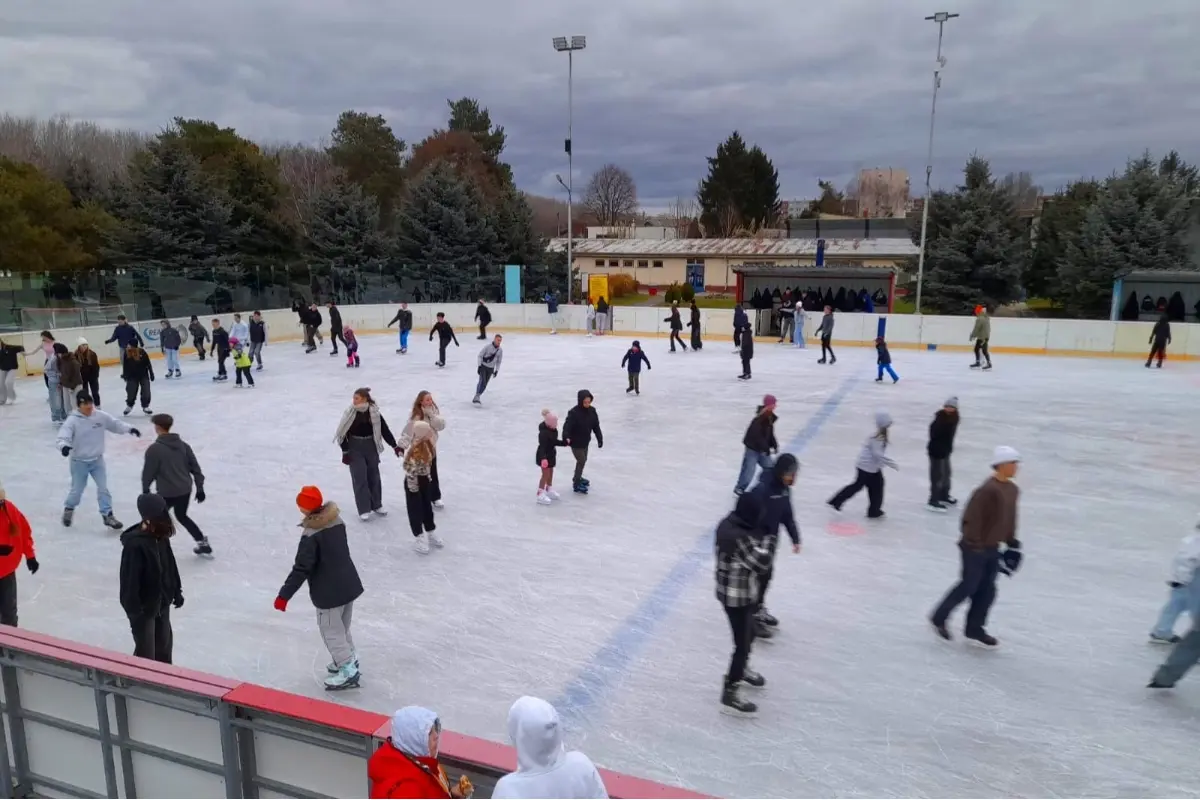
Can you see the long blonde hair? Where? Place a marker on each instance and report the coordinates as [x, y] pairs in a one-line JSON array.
[[418, 411]]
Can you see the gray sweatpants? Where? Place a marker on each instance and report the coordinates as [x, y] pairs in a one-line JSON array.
[[364, 473], [334, 624], [8, 386], [1183, 657]]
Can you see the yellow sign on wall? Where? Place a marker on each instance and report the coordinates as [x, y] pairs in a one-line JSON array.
[[598, 287]]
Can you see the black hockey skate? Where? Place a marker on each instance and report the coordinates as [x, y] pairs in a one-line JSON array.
[[202, 548], [941, 631], [734, 704], [762, 630], [580, 488], [67, 516], [753, 679], [766, 618], [982, 639]]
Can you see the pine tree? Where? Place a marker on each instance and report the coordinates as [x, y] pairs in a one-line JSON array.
[[1060, 227], [741, 190], [344, 240]]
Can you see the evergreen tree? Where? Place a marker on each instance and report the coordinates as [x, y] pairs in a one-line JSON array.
[[344, 239], [41, 228], [443, 236], [467, 116], [512, 220], [741, 190], [370, 154], [1059, 228]]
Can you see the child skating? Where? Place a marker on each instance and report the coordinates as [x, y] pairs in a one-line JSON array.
[[445, 335], [883, 359], [546, 457], [139, 373], [351, 342], [220, 346], [405, 318], [241, 362], [1183, 574], [871, 461], [632, 362], [747, 352], [418, 487]]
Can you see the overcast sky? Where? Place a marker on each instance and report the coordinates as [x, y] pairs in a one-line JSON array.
[[1057, 87]]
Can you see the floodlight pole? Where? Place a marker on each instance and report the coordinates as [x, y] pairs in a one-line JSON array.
[[940, 18], [569, 46]]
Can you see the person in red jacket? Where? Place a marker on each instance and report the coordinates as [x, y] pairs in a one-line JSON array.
[[407, 765], [16, 542]]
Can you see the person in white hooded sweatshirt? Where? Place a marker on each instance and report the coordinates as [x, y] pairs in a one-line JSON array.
[[544, 767], [870, 464]]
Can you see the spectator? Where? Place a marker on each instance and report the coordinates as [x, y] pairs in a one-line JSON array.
[[544, 767], [407, 765]]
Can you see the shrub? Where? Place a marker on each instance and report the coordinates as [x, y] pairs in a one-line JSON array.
[[687, 293], [672, 294], [621, 285]]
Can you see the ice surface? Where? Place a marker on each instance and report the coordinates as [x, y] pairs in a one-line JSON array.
[[605, 603]]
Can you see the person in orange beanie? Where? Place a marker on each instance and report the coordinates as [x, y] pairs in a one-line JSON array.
[[323, 560], [16, 542], [407, 764]]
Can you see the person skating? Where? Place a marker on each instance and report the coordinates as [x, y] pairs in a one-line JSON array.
[[16, 543], [824, 332], [58, 412], [546, 457], [89, 369], [552, 311], [353, 360], [696, 326], [489, 365], [170, 341], [239, 330], [426, 410], [81, 439], [419, 459], [1160, 337], [1183, 574], [323, 560], [199, 336], [774, 494], [742, 560], [483, 315], [941, 445], [676, 326], [241, 362], [171, 467], [361, 434], [582, 421], [445, 335], [8, 371], [602, 323], [405, 318], [787, 319], [1184, 655], [871, 461], [632, 362], [220, 346], [988, 521], [883, 360], [759, 442], [747, 353], [544, 767], [981, 333], [70, 376], [150, 585], [124, 335], [337, 329], [407, 766], [315, 321], [590, 316], [139, 373], [740, 323], [258, 338]]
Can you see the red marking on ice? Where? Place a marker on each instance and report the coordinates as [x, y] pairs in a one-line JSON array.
[[845, 529]]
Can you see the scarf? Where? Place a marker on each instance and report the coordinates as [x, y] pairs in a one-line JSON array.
[[418, 462], [348, 420]]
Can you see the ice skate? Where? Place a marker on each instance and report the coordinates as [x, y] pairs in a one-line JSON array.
[[111, 521], [734, 704], [543, 500], [422, 544], [476, 400], [753, 679], [951, 501], [942, 631], [585, 482], [762, 630], [345, 678], [822, 361], [357, 362], [879, 380], [982, 639], [237, 386], [988, 366], [1156, 639], [334, 353], [438, 504], [68, 515], [128, 410], [1154, 684], [403, 351], [147, 410], [202, 548], [875, 515], [399, 351], [934, 505], [349, 364], [743, 377], [436, 540], [580, 488], [976, 365], [364, 517], [767, 618], [381, 511], [332, 667], [553, 495]]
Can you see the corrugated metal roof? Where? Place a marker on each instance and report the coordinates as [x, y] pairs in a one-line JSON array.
[[755, 270], [738, 248]]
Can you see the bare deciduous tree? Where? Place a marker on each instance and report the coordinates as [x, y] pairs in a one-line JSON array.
[[59, 144], [682, 214], [306, 173], [882, 193], [1021, 188], [611, 196]]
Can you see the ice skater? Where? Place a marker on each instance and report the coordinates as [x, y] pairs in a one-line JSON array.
[[824, 332], [1183, 575], [632, 362], [988, 521], [445, 335], [871, 461], [1160, 337], [8, 371], [483, 315], [323, 560], [488, 367], [258, 338], [787, 319], [361, 434], [883, 360], [150, 585], [774, 493], [351, 342], [759, 442], [426, 410], [547, 456], [590, 317], [337, 329], [582, 421], [81, 439], [981, 333], [747, 348], [241, 362], [405, 318], [676, 326], [199, 336], [941, 445], [220, 346], [16, 543], [50, 375], [170, 341], [124, 335], [742, 559], [740, 323], [70, 376], [419, 460], [139, 374], [602, 321], [89, 368], [171, 467], [239, 330], [552, 311], [695, 325]]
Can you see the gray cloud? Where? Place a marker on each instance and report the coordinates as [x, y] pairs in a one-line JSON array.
[[1060, 89]]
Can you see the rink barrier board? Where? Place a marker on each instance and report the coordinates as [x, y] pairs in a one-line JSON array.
[[80, 721], [1019, 336]]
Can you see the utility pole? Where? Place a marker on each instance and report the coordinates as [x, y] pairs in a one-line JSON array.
[[562, 45]]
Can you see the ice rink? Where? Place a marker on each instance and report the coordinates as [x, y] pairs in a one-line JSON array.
[[604, 604]]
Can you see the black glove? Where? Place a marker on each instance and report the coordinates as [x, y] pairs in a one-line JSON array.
[[152, 379], [495, 373], [1011, 560], [33, 565], [135, 432], [200, 495], [5, 550], [1174, 584], [178, 601], [600, 444], [66, 450], [346, 458]]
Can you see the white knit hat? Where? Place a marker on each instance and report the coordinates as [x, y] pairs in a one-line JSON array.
[[1005, 455], [80, 341]]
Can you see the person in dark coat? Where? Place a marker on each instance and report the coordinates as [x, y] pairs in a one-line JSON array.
[[774, 494], [582, 422], [199, 337], [742, 558], [361, 434], [747, 350], [149, 580], [740, 322], [171, 465], [883, 359], [335, 327], [8, 371], [405, 318], [941, 445], [139, 373], [124, 335], [220, 346], [759, 442], [676, 326], [694, 324], [1160, 337], [445, 335], [323, 561], [546, 457], [634, 357], [483, 315]]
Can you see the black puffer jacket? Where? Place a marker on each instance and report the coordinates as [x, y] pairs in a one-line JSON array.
[[323, 559], [170, 339], [582, 422], [139, 367], [548, 441], [941, 434], [776, 499], [8, 356], [149, 575]]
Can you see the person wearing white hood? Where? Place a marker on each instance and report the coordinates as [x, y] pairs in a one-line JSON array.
[[544, 767], [870, 464]]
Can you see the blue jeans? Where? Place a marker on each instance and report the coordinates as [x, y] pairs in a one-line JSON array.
[[888, 369], [750, 460], [172, 360], [57, 412], [404, 340], [1176, 605], [80, 470]]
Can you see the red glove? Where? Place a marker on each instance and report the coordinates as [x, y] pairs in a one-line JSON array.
[[280, 604], [346, 459], [545, 463]]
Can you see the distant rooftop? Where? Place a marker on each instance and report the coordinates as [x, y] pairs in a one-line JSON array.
[[738, 248]]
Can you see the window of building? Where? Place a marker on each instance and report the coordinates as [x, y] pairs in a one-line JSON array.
[[628, 262], [643, 262], [699, 262], [612, 262], [599, 262], [658, 263]]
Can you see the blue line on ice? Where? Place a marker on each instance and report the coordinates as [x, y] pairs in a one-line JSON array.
[[608, 666]]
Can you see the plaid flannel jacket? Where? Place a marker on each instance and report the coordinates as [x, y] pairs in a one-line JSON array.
[[738, 572]]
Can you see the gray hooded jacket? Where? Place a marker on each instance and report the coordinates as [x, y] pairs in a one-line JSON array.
[[873, 457], [171, 463]]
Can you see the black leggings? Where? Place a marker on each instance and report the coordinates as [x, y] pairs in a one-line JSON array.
[[334, 335], [1158, 349], [419, 505], [981, 347], [825, 348], [675, 338], [741, 625], [180, 506], [745, 365], [872, 482], [92, 384]]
